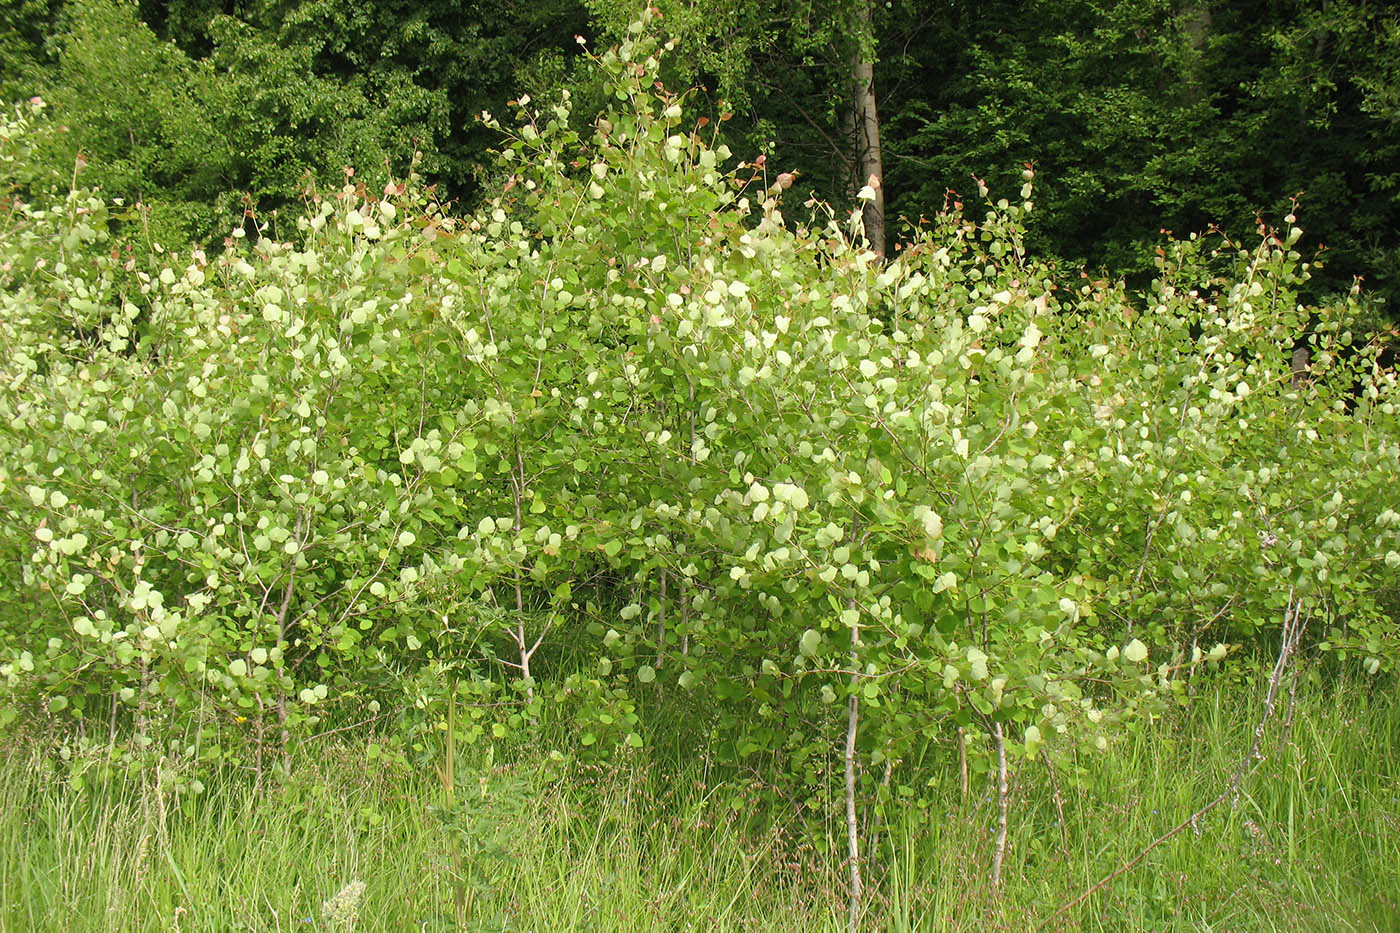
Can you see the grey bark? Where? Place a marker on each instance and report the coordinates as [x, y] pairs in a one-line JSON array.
[[869, 161]]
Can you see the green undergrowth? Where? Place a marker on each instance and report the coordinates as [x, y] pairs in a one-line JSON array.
[[682, 841]]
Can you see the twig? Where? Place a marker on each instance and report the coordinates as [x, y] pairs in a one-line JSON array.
[[1292, 703], [353, 725]]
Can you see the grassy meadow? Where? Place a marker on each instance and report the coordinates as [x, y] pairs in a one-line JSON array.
[[680, 841]]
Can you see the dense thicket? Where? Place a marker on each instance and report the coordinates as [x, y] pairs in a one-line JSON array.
[[629, 432], [1139, 115], [640, 429]]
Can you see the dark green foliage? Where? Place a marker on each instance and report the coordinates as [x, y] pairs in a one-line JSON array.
[[1139, 115], [425, 70], [201, 111], [23, 44], [1144, 114], [194, 142]]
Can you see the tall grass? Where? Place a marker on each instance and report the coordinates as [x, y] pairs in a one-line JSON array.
[[1312, 843]]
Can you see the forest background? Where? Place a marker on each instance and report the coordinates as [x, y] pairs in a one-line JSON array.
[[1139, 116]]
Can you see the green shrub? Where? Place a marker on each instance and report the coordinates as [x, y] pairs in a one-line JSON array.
[[629, 430]]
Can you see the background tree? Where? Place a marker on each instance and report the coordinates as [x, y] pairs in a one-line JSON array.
[[1139, 115], [1144, 114], [804, 84], [203, 110]]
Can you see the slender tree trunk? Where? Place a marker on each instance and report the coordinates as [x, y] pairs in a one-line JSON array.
[[521, 637], [869, 162], [962, 761], [661, 625], [1194, 22], [877, 823], [852, 725], [1302, 360], [1059, 802], [685, 619], [852, 825], [283, 628], [1003, 805], [448, 775]]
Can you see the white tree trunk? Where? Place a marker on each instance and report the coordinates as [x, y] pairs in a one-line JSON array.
[[852, 824], [1003, 804]]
